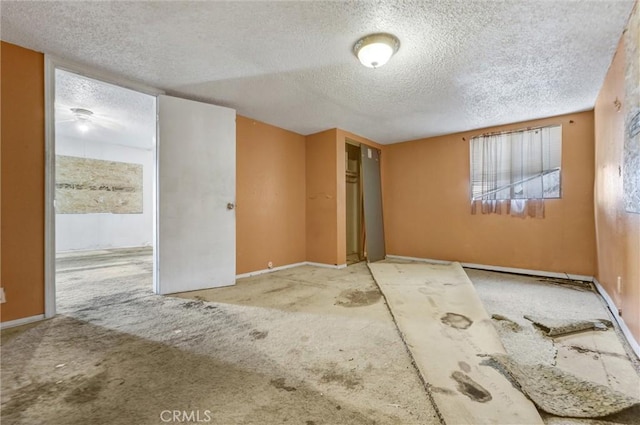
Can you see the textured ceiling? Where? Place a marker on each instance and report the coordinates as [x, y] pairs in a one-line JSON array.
[[120, 116], [461, 65]]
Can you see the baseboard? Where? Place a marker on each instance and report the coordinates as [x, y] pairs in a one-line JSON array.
[[20, 322], [289, 266], [112, 248], [614, 312], [326, 266], [422, 260], [541, 273], [502, 269], [273, 269]]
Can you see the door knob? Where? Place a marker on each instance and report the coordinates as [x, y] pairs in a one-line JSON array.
[[231, 206]]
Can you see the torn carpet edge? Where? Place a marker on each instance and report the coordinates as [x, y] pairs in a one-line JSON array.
[[524, 343], [560, 393], [555, 327]]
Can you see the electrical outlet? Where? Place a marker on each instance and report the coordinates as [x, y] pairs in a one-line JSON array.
[[3, 299], [619, 287], [270, 264]]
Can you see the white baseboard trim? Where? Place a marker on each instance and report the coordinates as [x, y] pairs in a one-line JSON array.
[[422, 260], [326, 266], [541, 273], [614, 312], [273, 269], [20, 322], [290, 266], [501, 269]]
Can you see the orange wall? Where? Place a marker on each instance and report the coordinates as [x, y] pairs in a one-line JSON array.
[[326, 195], [22, 146], [322, 198], [618, 232], [427, 208], [270, 193]]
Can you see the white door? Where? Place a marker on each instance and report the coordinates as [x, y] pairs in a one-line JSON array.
[[196, 231]]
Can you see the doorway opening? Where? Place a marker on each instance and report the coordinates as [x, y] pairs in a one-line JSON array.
[[355, 219], [104, 186], [363, 191]]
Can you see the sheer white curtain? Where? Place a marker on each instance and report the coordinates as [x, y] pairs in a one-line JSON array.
[[512, 173]]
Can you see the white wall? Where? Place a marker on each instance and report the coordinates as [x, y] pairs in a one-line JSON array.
[[100, 231]]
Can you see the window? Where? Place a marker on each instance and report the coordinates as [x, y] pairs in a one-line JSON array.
[[514, 172], [518, 165]]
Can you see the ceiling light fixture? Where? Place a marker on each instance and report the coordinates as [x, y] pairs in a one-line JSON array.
[[81, 114], [83, 118], [375, 50]]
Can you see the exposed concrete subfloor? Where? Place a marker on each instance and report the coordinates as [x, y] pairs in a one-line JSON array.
[[302, 346]]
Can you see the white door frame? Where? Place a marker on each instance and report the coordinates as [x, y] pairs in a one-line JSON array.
[[51, 63]]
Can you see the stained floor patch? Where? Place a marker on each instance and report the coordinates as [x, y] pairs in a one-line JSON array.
[[279, 383], [456, 320], [255, 334], [346, 379], [88, 390], [470, 388], [192, 304], [32, 394], [358, 298], [464, 366]]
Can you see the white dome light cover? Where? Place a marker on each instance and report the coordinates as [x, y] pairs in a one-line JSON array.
[[375, 50], [83, 118], [82, 114]]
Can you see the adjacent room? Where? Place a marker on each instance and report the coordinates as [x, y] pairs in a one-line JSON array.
[[421, 212], [104, 184]]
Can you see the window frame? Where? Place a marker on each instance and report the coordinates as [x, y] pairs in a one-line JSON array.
[[511, 186]]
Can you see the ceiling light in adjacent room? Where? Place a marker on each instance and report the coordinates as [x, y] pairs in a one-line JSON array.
[[375, 50], [83, 118]]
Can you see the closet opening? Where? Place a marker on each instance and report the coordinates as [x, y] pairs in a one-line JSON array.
[[354, 202]]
